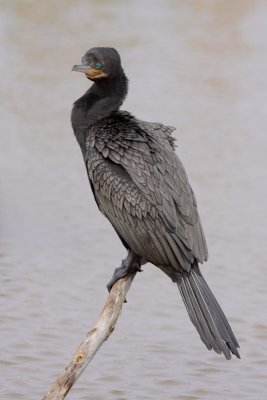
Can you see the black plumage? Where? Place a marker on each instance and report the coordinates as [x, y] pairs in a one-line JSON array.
[[141, 186]]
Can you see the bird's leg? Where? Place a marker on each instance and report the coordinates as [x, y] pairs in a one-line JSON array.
[[131, 263]]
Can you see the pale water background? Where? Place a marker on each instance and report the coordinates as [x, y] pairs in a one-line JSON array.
[[198, 65]]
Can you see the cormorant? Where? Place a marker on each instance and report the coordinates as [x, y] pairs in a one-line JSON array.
[[141, 186]]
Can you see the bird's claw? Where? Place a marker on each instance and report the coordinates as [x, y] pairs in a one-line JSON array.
[[130, 264]]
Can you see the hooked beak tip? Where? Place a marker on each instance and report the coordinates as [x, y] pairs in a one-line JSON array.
[[74, 68]]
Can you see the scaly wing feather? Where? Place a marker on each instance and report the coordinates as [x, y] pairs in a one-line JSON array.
[[143, 189]]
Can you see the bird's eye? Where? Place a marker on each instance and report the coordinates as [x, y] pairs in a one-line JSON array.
[[98, 65]]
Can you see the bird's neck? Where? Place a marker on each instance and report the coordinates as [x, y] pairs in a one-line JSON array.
[[103, 98]]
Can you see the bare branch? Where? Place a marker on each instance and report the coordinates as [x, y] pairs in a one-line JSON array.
[[93, 340]]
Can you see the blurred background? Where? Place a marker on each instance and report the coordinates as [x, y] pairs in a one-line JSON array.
[[199, 65]]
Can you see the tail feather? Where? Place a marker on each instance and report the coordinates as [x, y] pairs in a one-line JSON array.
[[206, 313], [223, 320], [206, 325]]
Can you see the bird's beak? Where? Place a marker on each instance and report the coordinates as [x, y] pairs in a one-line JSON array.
[[87, 70], [81, 68]]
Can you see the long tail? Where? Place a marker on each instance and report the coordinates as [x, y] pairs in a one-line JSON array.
[[206, 314]]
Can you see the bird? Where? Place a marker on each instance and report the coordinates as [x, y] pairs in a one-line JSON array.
[[140, 185]]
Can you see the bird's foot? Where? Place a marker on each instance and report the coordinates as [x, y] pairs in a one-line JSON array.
[[131, 263]]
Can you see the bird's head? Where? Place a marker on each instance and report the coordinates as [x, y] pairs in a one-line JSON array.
[[99, 63]]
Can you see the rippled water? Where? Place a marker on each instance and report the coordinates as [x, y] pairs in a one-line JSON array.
[[198, 65]]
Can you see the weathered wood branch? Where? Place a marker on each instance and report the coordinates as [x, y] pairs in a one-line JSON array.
[[93, 340]]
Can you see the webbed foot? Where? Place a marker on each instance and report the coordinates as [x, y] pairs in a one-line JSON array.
[[131, 263]]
